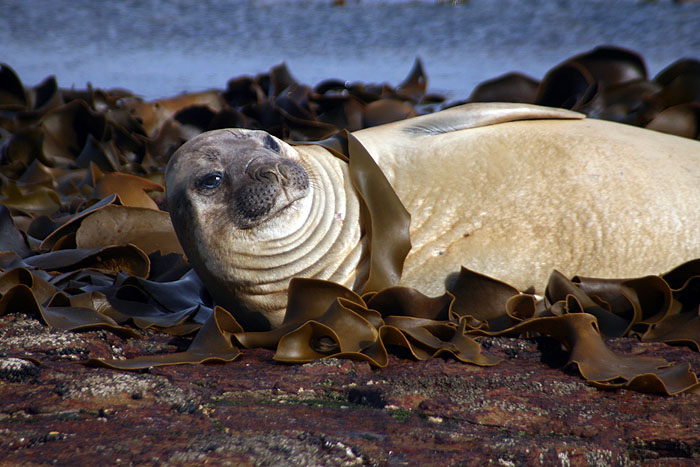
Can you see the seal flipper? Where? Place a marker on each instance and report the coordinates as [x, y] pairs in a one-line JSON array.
[[477, 115]]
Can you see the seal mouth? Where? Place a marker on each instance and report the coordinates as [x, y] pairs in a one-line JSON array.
[[289, 203], [257, 203]]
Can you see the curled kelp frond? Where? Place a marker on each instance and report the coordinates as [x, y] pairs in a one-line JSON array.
[[577, 81], [510, 87], [150, 230], [681, 120], [211, 344]]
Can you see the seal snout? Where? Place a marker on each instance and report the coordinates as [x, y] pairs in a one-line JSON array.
[[269, 185], [285, 173]]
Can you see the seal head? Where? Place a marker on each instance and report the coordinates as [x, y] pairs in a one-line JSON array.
[[225, 189], [244, 180]]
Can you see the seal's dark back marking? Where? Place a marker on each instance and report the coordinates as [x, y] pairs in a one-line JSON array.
[[477, 115]]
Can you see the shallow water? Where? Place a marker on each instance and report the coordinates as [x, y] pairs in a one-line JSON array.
[[164, 47]]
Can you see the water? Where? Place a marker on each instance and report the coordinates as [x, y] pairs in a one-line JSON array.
[[164, 47]]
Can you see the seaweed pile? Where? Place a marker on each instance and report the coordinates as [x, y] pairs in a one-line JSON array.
[[86, 241], [611, 84]]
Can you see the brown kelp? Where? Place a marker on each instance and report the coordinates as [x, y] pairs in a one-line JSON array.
[[610, 83], [86, 242]]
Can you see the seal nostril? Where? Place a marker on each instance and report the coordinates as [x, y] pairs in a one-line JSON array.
[[283, 171], [266, 174]]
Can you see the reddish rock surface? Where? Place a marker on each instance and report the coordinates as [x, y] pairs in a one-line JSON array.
[[255, 411]]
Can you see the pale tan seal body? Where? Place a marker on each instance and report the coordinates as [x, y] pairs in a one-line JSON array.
[[517, 199], [512, 200]]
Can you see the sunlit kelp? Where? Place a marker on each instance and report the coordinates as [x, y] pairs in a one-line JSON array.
[[86, 242]]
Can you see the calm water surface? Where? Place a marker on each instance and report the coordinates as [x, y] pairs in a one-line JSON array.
[[163, 47]]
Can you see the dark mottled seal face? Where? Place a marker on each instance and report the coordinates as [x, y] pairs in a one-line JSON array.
[[239, 178]]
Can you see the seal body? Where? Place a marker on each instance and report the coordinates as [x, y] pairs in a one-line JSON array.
[[509, 190], [517, 199]]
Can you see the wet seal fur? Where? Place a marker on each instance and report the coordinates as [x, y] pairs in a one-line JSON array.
[[509, 190]]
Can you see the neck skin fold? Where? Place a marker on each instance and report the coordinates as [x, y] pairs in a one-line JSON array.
[[319, 236]]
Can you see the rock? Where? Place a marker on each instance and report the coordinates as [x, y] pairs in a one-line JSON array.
[[329, 412]]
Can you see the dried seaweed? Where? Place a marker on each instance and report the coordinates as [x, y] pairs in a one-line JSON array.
[[86, 245]]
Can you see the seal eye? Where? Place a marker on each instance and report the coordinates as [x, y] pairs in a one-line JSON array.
[[210, 181], [271, 144]]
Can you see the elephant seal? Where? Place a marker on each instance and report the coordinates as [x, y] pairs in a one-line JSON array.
[[509, 190]]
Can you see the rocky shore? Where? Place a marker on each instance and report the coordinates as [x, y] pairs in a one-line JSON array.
[[78, 288]]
